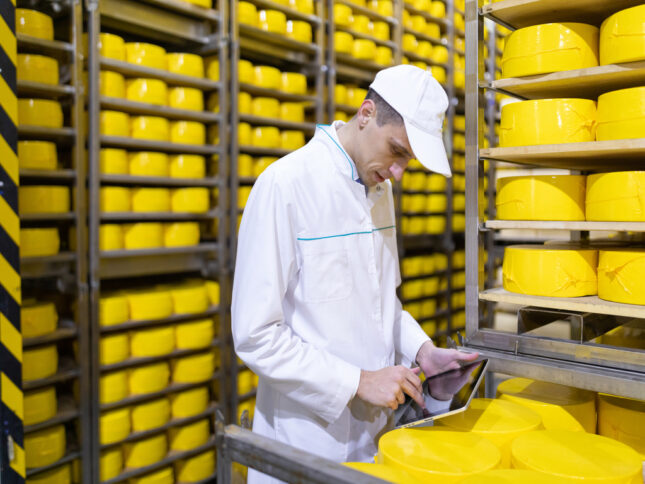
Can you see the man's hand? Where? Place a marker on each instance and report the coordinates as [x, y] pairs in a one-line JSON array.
[[433, 360], [385, 388]]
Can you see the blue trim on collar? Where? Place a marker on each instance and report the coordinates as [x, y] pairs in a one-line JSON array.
[[351, 165]]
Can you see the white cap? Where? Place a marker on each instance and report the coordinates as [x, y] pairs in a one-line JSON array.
[[421, 101]]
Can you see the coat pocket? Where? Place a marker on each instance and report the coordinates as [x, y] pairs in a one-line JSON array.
[[325, 272]]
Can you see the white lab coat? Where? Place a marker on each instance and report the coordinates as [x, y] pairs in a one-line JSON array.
[[314, 301]]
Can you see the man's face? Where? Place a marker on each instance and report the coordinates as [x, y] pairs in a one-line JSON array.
[[384, 152]]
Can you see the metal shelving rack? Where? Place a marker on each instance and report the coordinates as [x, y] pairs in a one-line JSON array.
[[61, 278], [578, 363], [182, 27], [269, 49]]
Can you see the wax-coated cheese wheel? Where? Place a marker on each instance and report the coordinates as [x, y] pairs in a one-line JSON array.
[[212, 287], [622, 36], [577, 457], [431, 454], [189, 436], [272, 21], [299, 30], [181, 234], [247, 13], [187, 132], [111, 463], [545, 197], [151, 91], [112, 46], [186, 98], [246, 71], [113, 161], [148, 379], [113, 309], [34, 23], [291, 140], [185, 64], [37, 155], [620, 275], [193, 369], [113, 386], [114, 425], [381, 30], [187, 166], [44, 447], [617, 196], [115, 199], [266, 137], [144, 235], [40, 405], [552, 47], [161, 476], [152, 128], [550, 271], [149, 304], [190, 298], [342, 15], [152, 342], [192, 200], [148, 163], [267, 107], [114, 123], [622, 419], [267, 76], [364, 49], [59, 475], [110, 237], [145, 452], [40, 362], [39, 242], [150, 415], [292, 112], [555, 121], [383, 56], [343, 42], [40, 112], [147, 55], [150, 200], [111, 84], [189, 402], [195, 468], [113, 348], [195, 334], [621, 114], [37, 68]]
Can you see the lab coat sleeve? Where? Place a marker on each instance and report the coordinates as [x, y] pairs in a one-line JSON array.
[[266, 264]]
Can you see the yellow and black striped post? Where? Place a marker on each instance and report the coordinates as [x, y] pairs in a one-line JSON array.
[[12, 463]]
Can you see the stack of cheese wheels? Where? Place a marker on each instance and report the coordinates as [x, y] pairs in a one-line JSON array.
[[544, 197], [431, 454], [577, 457], [622, 419], [565, 120], [621, 114], [553, 47], [561, 407], [556, 271], [620, 275], [622, 36], [498, 421]]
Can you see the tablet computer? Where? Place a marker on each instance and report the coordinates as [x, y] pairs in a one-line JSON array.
[[444, 394]]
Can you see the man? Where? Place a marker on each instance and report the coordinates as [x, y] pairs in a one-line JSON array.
[[315, 312]]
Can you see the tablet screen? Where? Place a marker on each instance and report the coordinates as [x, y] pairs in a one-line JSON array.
[[444, 394]]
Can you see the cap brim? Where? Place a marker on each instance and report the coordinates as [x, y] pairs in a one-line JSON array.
[[428, 149]]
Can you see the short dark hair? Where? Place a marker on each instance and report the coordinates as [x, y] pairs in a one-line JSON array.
[[385, 114]]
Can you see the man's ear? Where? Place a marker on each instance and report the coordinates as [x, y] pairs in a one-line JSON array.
[[366, 112]]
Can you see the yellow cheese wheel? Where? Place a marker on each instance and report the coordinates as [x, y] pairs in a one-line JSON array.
[[553, 271], [114, 123], [114, 425], [150, 200], [556, 121], [622, 419], [620, 275], [59, 475], [189, 402], [577, 456], [40, 362], [195, 334], [267, 76], [189, 436], [342, 15], [181, 234], [621, 114], [409, 42], [246, 71], [245, 382], [355, 96], [112, 46], [150, 415], [162, 476], [272, 21], [267, 107], [561, 407], [113, 386], [113, 161], [432, 454], [193, 369], [149, 304], [497, 420], [150, 127], [340, 94], [192, 200], [622, 36], [37, 68], [299, 30], [187, 166], [151, 91], [261, 164], [111, 84], [545, 197], [266, 137], [247, 13], [37, 155], [291, 140], [244, 136], [110, 237], [186, 98], [115, 199], [383, 56], [343, 42], [43, 199], [553, 47], [143, 235], [381, 30], [363, 49], [40, 112], [113, 309], [304, 6], [152, 342], [148, 163], [196, 468], [34, 23], [40, 405], [148, 379], [190, 298], [187, 132], [146, 451], [382, 7], [618, 196], [111, 463], [387, 473], [185, 64], [244, 101], [292, 112], [213, 102], [113, 348], [212, 287], [147, 55], [44, 447], [361, 24], [39, 242], [511, 476]]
